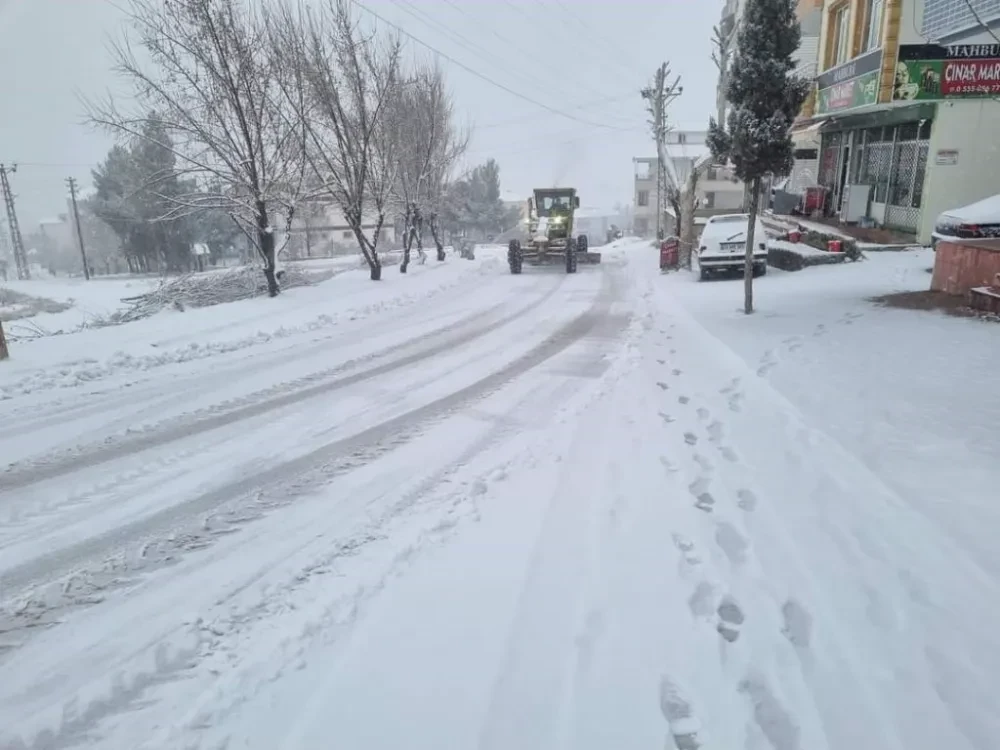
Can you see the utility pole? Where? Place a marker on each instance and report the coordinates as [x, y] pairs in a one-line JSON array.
[[71, 182], [658, 97], [20, 257]]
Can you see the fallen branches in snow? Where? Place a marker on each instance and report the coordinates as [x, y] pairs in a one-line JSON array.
[[207, 289]]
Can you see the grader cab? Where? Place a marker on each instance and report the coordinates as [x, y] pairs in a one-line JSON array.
[[550, 233]]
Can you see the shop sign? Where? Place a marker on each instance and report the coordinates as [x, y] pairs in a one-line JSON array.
[[853, 84], [958, 71], [946, 157]]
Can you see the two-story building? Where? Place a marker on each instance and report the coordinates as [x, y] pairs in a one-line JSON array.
[[906, 105], [717, 190]]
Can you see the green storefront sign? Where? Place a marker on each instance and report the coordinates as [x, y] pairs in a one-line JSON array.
[[853, 84], [960, 71]]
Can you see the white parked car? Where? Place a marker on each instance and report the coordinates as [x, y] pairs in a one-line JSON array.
[[977, 221], [724, 243]]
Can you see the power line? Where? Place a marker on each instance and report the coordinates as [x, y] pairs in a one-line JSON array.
[[507, 40], [528, 118], [441, 28], [598, 39], [979, 20], [479, 75]]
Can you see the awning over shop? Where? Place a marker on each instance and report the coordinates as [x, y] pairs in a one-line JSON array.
[[880, 115], [811, 125]]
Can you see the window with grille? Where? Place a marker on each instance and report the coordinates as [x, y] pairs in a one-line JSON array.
[[642, 198], [942, 17]]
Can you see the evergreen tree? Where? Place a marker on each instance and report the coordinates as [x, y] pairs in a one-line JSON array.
[[764, 98], [474, 203], [136, 191]]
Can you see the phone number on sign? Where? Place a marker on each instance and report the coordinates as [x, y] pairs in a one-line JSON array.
[[974, 88]]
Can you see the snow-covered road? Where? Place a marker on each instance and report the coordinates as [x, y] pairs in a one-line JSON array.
[[544, 511]]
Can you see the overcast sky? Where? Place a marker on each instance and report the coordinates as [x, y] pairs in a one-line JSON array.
[[585, 58]]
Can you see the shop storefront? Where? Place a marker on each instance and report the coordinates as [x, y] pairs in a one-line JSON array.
[[893, 163], [962, 83], [874, 166]]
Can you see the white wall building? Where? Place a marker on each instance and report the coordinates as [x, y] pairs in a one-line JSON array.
[[717, 191], [319, 229]]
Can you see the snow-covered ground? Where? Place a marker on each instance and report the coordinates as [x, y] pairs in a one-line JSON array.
[[477, 510]]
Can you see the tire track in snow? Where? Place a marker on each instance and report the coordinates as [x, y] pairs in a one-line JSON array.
[[135, 478], [315, 468], [35, 417], [218, 667], [227, 413]]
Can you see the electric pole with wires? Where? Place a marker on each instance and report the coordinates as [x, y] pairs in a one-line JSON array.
[[20, 257], [71, 183], [658, 95]]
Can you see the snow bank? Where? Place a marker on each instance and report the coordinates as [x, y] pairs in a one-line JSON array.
[[86, 300], [171, 337]]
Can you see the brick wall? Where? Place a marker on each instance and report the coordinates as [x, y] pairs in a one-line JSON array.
[[960, 267]]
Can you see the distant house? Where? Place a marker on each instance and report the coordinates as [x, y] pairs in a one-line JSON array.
[[512, 200], [718, 189], [320, 230], [59, 230]]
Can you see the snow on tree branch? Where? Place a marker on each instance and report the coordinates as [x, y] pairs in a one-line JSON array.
[[217, 91]]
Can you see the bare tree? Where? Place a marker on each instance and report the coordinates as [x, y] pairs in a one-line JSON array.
[[218, 91], [429, 145], [352, 79], [679, 191]]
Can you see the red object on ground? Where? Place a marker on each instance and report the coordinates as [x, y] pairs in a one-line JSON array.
[[795, 236], [669, 253], [814, 199], [835, 246]]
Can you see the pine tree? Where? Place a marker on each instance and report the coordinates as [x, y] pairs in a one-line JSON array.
[[764, 96]]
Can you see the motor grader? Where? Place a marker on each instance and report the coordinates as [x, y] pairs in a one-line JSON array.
[[550, 233]]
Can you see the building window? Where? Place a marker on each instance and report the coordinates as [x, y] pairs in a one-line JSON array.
[[943, 17], [643, 170], [841, 34], [642, 198], [712, 174], [348, 235], [872, 38], [682, 137], [709, 201]]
